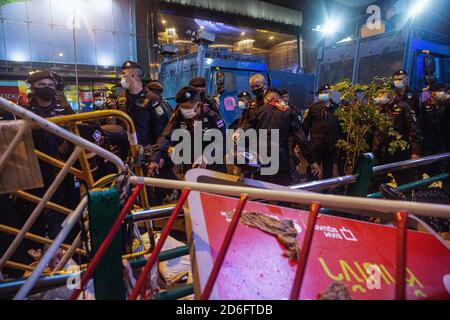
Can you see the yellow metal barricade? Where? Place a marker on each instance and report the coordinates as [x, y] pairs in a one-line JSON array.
[[73, 119]]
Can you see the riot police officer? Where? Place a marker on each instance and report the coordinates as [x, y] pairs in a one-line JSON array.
[[44, 103], [142, 105], [274, 115], [294, 159], [434, 124], [246, 107], [157, 88], [43, 99], [405, 122], [190, 111], [99, 101], [200, 84], [322, 125], [404, 93], [258, 85]]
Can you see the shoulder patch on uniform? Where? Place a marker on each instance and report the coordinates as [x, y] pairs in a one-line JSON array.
[[97, 135], [305, 114], [159, 110], [141, 102], [413, 115], [397, 108], [220, 123]]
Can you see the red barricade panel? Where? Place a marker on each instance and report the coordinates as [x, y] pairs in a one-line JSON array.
[[342, 250]]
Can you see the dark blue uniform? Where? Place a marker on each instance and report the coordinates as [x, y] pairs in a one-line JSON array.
[[411, 97], [322, 124], [209, 119], [405, 122], [68, 193], [149, 113], [434, 127], [284, 119]]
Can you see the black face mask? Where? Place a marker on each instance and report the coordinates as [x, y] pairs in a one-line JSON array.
[[258, 92], [45, 93]]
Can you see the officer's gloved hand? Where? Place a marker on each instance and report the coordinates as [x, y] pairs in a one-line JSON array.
[[316, 170]]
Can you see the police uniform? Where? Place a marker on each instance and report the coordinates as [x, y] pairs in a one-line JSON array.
[[158, 89], [103, 106], [199, 82], [286, 121], [322, 125], [408, 95], [147, 111], [67, 194], [294, 160], [405, 122], [209, 119], [434, 126], [246, 114]]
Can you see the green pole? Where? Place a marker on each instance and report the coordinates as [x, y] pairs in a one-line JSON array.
[[412, 185], [104, 208], [163, 256], [363, 171]]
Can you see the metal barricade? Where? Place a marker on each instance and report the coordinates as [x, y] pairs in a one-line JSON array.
[[81, 145], [397, 209]]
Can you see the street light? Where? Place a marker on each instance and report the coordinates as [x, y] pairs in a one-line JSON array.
[[417, 7], [330, 27]]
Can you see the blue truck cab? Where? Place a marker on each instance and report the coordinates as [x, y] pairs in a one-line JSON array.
[[227, 74]]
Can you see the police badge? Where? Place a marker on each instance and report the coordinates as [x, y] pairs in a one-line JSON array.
[[397, 109], [159, 110], [141, 103]]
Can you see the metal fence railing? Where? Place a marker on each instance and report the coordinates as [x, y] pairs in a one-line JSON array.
[[399, 210]]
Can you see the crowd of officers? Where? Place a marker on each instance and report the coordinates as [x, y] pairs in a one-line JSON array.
[[421, 120]]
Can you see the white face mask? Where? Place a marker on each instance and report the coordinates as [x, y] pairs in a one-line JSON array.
[[325, 97], [98, 103], [440, 95], [242, 105], [382, 101], [189, 113], [399, 84], [124, 83]]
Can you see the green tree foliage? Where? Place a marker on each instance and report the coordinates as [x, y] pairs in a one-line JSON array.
[[361, 118]]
